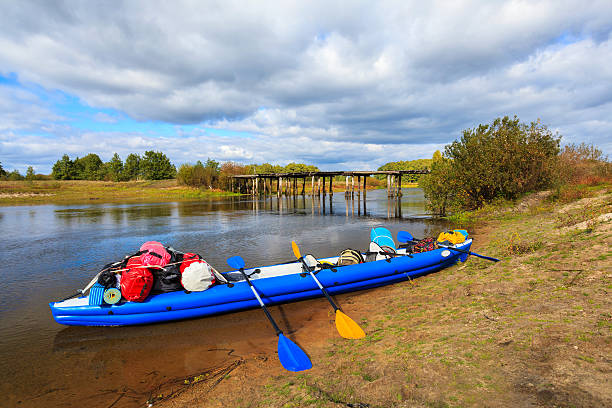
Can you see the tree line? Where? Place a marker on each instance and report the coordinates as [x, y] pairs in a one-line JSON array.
[[214, 175], [150, 166], [15, 175]]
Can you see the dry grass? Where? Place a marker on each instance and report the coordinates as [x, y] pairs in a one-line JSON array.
[[532, 330]]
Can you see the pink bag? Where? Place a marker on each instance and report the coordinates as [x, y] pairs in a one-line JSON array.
[[154, 253]]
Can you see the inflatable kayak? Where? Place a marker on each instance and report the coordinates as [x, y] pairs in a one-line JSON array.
[[276, 284]]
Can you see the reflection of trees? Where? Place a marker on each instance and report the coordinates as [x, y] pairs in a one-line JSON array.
[[79, 215], [226, 205], [149, 211]]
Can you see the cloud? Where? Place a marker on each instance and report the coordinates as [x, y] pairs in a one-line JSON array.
[[105, 118], [325, 82]]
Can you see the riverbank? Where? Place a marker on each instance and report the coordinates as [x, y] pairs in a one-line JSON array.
[[74, 191], [532, 330]]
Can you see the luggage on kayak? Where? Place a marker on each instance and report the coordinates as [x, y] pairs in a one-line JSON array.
[[154, 253], [108, 279], [451, 237], [424, 245], [136, 282], [196, 273], [350, 257], [96, 295], [168, 278], [377, 252], [112, 296]]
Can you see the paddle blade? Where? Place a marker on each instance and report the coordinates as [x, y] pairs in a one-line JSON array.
[[296, 250], [347, 327], [404, 236], [291, 356], [236, 262]]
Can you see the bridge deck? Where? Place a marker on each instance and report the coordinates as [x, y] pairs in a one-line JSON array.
[[329, 174]]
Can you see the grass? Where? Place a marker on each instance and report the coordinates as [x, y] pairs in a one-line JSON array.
[[534, 329], [55, 191]]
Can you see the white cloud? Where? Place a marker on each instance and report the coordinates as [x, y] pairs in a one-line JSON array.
[[340, 84]]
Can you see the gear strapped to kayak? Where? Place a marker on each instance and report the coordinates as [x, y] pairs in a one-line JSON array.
[[205, 292]]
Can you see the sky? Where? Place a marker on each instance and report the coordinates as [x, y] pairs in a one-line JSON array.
[[343, 85]]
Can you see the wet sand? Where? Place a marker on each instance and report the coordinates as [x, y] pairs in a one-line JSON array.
[[127, 366]]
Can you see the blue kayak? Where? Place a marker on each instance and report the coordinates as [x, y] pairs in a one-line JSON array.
[[276, 284]]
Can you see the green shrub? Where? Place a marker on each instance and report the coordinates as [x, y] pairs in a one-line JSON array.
[[503, 159]]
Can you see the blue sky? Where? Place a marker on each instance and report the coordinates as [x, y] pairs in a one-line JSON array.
[[348, 85]]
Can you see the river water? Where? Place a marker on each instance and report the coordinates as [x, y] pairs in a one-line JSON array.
[[49, 251]]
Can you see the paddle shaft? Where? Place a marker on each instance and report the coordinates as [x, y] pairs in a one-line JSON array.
[[261, 303], [325, 292]]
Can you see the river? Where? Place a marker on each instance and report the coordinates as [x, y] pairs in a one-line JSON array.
[[48, 251]]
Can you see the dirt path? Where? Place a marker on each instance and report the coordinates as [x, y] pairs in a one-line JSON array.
[[532, 330]]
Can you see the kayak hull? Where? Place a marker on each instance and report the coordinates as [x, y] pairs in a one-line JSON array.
[[238, 296]]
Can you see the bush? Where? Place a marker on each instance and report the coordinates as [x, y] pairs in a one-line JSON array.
[[503, 159], [229, 169], [14, 176], [199, 175], [583, 164]]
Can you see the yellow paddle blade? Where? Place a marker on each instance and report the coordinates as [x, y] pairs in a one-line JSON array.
[[296, 250], [347, 327]]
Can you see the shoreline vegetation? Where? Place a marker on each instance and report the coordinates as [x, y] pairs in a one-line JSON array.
[[82, 191]]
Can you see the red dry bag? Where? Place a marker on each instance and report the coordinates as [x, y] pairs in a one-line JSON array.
[[154, 253], [136, 283]]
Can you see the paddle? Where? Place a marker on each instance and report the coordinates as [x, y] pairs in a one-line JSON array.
[[405, 236], [290, 355], [344, 324]]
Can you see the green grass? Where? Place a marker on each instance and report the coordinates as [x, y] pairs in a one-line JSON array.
[[77, 191]]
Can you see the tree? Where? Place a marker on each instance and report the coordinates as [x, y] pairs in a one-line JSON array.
[[299, 168], [131, 169], [436, 156], [63, 169], [14, 176], [210, 173], [2, 171], [89, 167], [157, 166], [30, 175], [212, 164], [440, 187], [114, 168]]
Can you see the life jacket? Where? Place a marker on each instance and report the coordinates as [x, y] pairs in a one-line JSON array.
[[451, 237], [196, 273], [136, 282], [154, 253], [350, 257]]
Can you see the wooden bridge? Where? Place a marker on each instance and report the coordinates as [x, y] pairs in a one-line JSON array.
[[288, 183]]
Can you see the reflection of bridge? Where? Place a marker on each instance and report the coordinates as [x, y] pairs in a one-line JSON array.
[[287, 183]]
